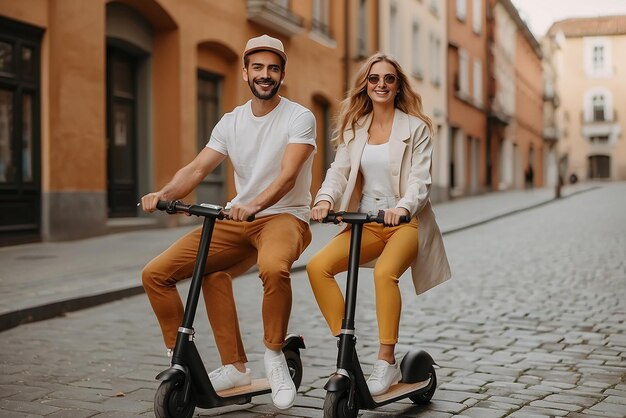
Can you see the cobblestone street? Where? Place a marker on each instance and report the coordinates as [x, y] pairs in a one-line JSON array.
[[533, 323]]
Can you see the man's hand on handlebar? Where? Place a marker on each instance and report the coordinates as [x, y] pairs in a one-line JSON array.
[[320, 211], [240, 212], [149, 201], [392, 216]]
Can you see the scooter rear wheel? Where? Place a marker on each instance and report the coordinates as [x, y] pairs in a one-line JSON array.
[[424, 398], [168, 401], [295, 366], [336, 406]]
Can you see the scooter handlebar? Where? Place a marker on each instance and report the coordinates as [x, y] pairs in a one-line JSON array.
[[357, 217], [203, 209]]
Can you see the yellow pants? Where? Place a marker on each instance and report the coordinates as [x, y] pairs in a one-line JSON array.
[[273, 242], [396, 248]]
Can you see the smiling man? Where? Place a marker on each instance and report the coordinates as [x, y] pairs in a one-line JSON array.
[[255, 136]]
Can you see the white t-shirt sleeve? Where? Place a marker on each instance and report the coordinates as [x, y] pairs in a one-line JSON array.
[[302, 129], [218, 140]]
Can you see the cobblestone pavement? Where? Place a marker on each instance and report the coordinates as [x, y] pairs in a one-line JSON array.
[[532, 324]]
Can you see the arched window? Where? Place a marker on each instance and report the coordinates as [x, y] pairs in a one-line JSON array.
[[598, 104]]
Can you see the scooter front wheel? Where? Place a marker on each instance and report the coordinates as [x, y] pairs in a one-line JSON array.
[[336, 405], [295, 366], [168, 401]]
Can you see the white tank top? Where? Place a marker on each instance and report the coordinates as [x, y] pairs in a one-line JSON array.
[[376, 171]]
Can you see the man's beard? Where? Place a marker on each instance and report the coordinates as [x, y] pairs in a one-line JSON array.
[[264, 96]]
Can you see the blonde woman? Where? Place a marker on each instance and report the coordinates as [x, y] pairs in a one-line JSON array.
[[383, 162]]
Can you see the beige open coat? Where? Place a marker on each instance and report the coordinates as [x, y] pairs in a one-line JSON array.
[[410, 149]]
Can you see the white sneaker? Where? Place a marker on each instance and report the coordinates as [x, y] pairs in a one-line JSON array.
[[228, 377], [283, 388], [383, 376]]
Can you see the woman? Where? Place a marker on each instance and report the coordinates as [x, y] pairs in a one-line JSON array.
[[383, 161]]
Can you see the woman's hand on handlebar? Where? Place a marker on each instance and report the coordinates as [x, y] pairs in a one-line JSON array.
[[320, 210], [392, 216], [149, 201]]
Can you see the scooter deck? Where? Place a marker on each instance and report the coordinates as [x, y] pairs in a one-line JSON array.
[[400, 389], [257, 385]]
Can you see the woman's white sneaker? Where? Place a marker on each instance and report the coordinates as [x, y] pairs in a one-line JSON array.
[[228, 377], [383, 376]]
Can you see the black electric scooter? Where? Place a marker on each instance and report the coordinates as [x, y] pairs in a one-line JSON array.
[[186, 383], [346, 389]]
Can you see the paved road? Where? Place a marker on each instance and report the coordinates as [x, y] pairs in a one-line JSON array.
[[532, 324]]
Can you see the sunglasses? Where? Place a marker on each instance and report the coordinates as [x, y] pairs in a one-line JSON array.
[[389, 79]]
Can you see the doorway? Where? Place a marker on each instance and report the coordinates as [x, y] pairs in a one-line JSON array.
[[121, 133]]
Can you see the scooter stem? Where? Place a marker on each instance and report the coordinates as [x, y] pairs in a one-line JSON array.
[[353, 275], [198, 270]]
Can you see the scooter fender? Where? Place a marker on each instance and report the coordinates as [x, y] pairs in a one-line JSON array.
[[293, 342], [337, 383], [174, 372], [415, 366]]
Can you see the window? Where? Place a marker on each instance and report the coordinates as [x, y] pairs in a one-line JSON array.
[[394, 32], [477, 15], [20, 127], [597, 56], [598, 108], [434, 7], [209, 86], [461, 9], [362, 29], [416, 52], [463, 73], [435, 61], [478, 82], [599, 139], [598, 105], [19, 153], [320, 20], [213, 186]]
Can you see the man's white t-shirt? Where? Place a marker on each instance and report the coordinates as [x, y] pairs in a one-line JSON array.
[[256, 145]]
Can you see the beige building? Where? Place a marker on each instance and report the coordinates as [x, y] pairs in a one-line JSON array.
[[552, 130], [515, 101], [414, 33], [501, 92], [592, 87], [102, 101]]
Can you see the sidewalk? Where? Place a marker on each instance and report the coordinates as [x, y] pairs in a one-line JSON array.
[[43, 280]]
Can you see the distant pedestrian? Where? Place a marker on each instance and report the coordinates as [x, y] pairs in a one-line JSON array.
[[383, 162], [270, 142], [529, 176]]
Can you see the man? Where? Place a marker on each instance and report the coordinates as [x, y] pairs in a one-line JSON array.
[[256, 136]]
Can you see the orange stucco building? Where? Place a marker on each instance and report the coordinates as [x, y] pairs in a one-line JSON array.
[[528, 145], [467, 55], [123, 93]]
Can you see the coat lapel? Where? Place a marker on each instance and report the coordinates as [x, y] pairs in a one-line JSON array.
[[400, 135]]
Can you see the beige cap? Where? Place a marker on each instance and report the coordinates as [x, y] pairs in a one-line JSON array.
[[265, 43]]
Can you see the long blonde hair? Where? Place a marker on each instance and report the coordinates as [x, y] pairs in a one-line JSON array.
[[358, 104]]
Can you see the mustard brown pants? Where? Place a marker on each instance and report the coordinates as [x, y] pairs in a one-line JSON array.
[[396, 248], [273, 242]]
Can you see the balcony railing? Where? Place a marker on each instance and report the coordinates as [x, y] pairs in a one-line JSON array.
[[551, 133], [274, 16], [598, 117]]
